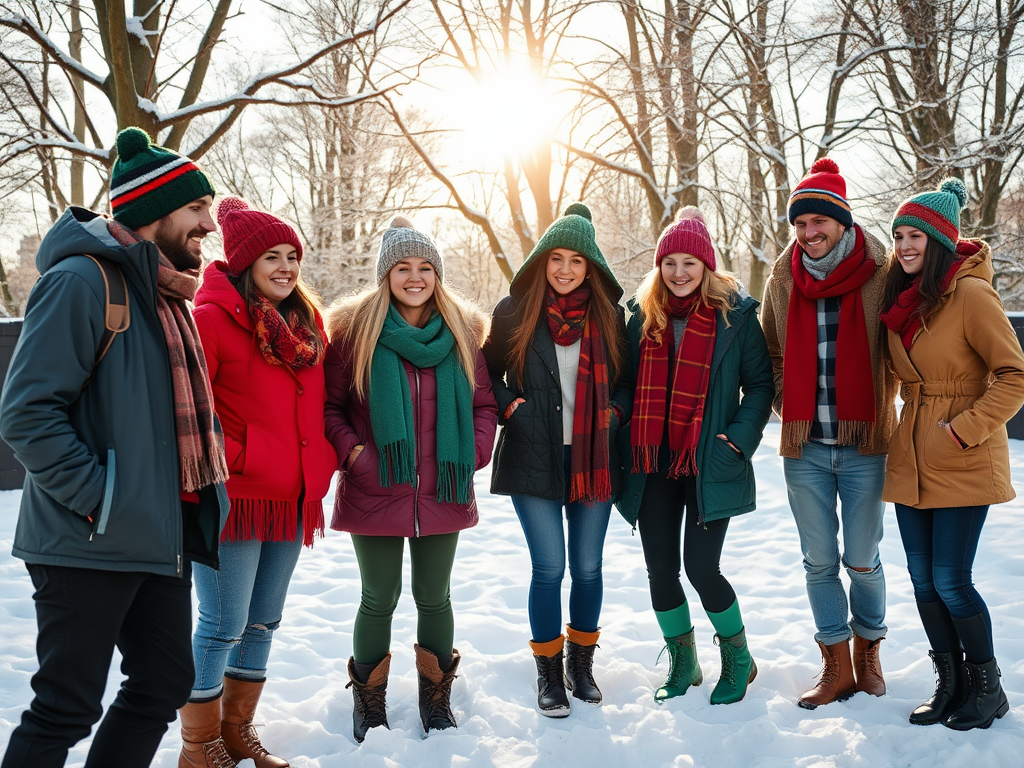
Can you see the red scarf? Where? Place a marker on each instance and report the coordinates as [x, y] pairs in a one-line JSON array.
[[688, 390], [590, 473], [855, 387], [283, 342], [903, 316]]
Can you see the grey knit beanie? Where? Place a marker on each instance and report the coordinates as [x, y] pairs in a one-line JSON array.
[[402, 240]]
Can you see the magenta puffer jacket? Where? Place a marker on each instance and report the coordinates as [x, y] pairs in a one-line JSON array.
[[362, 506]]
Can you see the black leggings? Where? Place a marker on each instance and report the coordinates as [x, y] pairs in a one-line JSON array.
[[660, 521]]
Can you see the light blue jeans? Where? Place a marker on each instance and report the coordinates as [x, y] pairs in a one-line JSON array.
[[240, 606], [823, 475]]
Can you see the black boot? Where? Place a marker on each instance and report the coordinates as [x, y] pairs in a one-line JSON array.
[[579, 665], [985, 700], [436, 689], [551, 698], [949, 690], [369, 698]]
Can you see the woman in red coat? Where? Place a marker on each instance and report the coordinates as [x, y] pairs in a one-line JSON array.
[[264, 341], [411, 414]]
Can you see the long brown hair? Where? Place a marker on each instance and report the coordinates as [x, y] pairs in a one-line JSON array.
[[937, 262], [303, 301], [530, 312], [717, 290]]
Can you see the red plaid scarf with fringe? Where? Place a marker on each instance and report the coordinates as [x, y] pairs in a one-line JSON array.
[[682, 403]]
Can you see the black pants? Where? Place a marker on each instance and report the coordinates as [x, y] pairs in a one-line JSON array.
[[661, 520], [82, 615]]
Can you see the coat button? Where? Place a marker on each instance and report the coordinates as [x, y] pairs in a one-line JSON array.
[[303, 443], [299, 391], [558, 407]]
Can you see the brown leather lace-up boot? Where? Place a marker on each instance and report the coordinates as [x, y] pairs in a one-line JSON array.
[[240, 738], [866, 667], [202, 746], [836, 682]]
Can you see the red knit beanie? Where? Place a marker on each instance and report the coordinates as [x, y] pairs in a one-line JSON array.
[[689, 234], [248, 234]]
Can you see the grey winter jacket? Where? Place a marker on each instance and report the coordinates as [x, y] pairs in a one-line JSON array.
[[109, 450]]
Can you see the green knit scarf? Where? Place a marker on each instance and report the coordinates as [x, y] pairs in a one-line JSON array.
[[391, 413]]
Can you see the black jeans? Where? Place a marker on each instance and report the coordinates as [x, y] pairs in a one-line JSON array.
[[82, 615], [660, 521]]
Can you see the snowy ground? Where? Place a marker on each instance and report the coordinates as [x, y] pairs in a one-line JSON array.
[[308, 712]]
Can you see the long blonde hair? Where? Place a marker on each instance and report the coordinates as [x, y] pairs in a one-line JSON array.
[[464, 320], [717, 290]]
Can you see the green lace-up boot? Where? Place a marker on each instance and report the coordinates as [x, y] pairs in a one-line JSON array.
[[738, 669], [683, 667]]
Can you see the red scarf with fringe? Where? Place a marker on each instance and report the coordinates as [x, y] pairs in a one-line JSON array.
[[283, 341], [855, 386], [681, 405], [590, 473]]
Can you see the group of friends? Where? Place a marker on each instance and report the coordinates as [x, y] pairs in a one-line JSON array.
[[201, 446]]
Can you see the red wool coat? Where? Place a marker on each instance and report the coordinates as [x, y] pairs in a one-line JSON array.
[[362, 505], [273, 420]]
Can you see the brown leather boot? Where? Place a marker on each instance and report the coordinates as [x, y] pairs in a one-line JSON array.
[[435, 689], [866, 667], [836, 682], [201, 744], [369, 699], [237, 730]]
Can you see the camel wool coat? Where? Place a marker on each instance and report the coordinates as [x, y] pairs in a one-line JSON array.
[[965, 368]]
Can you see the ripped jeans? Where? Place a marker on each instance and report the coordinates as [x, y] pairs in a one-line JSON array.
[[823, 476], [240, 606]]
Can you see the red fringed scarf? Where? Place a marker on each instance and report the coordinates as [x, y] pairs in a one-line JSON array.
[[283, 342], [903, 317], [686, 396], [855, 388], [590, 473]]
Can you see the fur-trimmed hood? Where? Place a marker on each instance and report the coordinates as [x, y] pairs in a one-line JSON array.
[[339, 316]]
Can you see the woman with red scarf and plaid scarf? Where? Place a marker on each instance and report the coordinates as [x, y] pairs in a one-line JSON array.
[[556, 357], [264, 341], [695, 344]]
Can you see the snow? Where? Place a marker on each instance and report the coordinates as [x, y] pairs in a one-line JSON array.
[[307, 710]]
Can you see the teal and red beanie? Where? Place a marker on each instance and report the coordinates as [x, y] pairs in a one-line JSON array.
[[936, 213], [822, 191], [148, 182]]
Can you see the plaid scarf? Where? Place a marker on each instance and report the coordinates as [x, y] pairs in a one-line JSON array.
[[855, 388], [283, 341], [567, 314], [200, 442], [590, 478], [688, 390], [903, 316]]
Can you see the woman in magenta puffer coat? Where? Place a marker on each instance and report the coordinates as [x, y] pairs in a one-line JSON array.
[[411, 415], [264, 342]]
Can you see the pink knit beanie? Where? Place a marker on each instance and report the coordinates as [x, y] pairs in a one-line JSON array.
[[689, 234], [248, 233]]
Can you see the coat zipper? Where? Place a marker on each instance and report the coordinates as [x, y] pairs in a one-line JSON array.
[[416, 490]]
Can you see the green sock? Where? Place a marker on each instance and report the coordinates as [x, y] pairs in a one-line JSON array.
[[728, 623], [675, 622]]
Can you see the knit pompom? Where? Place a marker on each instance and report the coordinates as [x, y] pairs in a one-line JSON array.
[[690, 212], [578, 209], [824, 165], [230, 205], [131, 141], [956, 188], [400, 222]]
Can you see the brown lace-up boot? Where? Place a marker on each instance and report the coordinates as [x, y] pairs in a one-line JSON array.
[[866, 667], [240, 738], [836, 682], [201, 744], [369, 698], [435, 686]]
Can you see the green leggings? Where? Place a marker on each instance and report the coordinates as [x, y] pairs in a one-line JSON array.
[[380, 568]]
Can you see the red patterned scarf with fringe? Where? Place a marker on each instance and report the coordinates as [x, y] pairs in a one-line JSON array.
[[200, 442], [272, 520], [855, 385], [590, 474], [680, 405], [283, 341]]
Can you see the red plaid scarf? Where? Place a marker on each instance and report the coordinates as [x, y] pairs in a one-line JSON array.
[[283, 342], [903, 317], [855, 387], [590, 474], [200, 442], [688, 391]]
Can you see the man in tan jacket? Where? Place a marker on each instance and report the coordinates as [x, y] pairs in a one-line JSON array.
[[835, 396]]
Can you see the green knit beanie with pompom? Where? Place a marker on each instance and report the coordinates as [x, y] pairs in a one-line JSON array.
[[936, 213]]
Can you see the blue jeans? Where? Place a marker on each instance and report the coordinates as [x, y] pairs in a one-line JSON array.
[[815, 481], [545, 536], [240, 606]]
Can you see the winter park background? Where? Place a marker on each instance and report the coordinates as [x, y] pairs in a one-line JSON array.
[[307, 711]]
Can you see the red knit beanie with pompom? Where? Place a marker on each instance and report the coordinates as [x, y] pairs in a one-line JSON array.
[[688, 234], [248, 233], [822, 191]]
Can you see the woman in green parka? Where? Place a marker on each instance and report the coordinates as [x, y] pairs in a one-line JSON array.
[[695, 343]]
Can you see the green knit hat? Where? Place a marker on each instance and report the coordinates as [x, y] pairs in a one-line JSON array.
[[575, 232], [148, 182], [936, 213]]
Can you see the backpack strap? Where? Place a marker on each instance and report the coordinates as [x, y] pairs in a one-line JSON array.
[[117, 315]]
